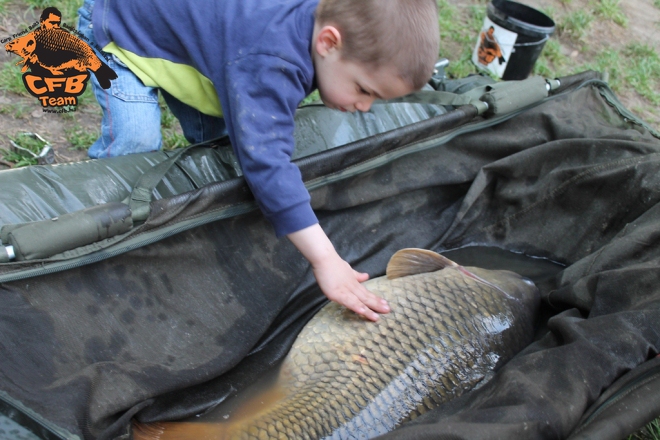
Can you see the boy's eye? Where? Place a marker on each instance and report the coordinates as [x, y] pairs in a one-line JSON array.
[[361, 90]]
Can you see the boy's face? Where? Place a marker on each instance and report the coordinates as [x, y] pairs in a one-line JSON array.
[[347, 85], [53, 21]]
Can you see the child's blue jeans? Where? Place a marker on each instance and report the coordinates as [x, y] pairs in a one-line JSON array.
[[131, 114]]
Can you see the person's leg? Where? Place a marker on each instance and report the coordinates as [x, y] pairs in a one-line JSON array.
[[197, 127], [131, 115]]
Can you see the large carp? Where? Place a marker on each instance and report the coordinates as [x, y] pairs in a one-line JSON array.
[[348, 378]]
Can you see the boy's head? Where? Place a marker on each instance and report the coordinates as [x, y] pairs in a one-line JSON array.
[[50, 18], [392, 45]]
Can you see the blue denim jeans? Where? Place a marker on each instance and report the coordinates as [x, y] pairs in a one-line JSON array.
[[131, 114]]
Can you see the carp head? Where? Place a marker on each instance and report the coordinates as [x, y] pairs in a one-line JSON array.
[[24, 47], [521, 293]]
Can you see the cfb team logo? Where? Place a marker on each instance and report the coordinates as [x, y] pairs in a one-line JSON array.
[[56, 62]]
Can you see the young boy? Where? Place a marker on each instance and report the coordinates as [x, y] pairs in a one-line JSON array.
[[244, 66]]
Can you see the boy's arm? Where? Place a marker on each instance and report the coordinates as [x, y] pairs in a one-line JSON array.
[[338, 281], [265, 92]]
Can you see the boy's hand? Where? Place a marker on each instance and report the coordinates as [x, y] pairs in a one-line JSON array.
[[338, 281]]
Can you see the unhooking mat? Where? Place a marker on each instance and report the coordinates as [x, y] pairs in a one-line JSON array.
[[173, 317]]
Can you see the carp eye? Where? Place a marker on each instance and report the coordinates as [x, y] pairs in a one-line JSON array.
[[30, 43]]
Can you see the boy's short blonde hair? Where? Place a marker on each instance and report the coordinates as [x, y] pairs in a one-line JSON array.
[[402, 34]]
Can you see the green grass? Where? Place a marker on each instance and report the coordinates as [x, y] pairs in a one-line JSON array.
[[610, 62], [575, 25], [68, 8], [17, 159], [649, 432], [551, 62], [17, 110], [3, 6], [643, 72], [477, 14], [19, 156], [173, 140], [457, 32], [169, 130], [312, 97], [611, 10], [11, 79], [80, 138], [87, 97], [446, 19], [167, 118], [637, 67]]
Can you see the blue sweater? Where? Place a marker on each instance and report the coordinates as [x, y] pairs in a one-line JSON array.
[[248, 61]]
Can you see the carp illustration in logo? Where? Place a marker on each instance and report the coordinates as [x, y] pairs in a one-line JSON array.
[[58, 62]]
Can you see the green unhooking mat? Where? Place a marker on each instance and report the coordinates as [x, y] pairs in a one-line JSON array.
[[169, 315]]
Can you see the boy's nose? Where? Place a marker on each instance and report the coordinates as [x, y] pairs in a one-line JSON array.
[[364, 105]]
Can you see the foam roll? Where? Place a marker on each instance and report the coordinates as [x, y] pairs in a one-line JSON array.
[[509, 96], [43, 239]]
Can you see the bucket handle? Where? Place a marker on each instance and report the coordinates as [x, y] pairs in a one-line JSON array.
[[546, 38]]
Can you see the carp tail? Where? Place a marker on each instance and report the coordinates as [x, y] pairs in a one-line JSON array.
[[413, 261], [104, 74], [241, 423]]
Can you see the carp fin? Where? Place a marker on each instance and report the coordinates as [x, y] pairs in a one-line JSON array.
[[413, 261]]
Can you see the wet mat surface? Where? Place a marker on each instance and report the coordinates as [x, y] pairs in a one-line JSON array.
[[10, 430]]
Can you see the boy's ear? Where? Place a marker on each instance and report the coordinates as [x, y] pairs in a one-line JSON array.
[[327, 40]]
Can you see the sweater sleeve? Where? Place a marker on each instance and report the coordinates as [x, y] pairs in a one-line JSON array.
[[261, 95]]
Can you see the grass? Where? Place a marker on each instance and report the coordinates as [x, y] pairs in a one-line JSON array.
[[649, 432], [312, 97], [455, 33], [3, 6], [169, 128], [17, 110], [79, 137], [644, 68], [25, 152], [173, 140], [575, 25], [634, 68], [68, 8], [611, 10], [11, 79], [551, 60]]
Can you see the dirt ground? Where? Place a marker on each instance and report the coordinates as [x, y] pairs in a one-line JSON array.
[[22, 113]]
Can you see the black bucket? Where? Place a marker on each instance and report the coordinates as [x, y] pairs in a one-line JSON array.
[[512, 39]]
